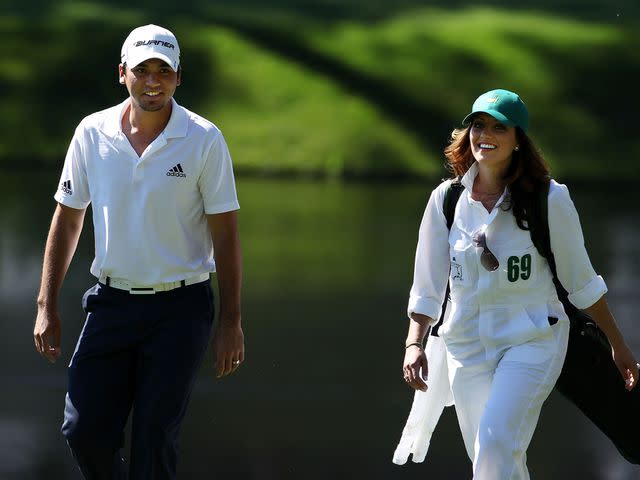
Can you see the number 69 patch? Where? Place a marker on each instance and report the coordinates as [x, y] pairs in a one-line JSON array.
[[519, 268]]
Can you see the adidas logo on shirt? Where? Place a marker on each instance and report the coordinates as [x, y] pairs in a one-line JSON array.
[[176, 171], [66, 187]]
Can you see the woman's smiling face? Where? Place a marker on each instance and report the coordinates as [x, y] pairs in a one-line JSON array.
[[492, 142]]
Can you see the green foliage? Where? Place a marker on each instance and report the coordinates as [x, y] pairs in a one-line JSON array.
[[567, 71], [281, 118], [337, 89]]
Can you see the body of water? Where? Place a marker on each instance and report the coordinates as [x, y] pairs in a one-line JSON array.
[[328, 267]]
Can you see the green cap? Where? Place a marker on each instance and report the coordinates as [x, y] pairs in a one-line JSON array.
[[503, 105]]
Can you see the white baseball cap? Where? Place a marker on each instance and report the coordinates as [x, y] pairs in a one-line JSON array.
[[150, 41]]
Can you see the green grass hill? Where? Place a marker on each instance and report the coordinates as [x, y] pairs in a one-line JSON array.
[[338, 89]]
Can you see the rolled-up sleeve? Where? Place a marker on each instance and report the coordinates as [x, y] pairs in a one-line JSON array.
[[573, 265], [431, 271]]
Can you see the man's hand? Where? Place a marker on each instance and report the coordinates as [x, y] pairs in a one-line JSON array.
[[228, 347], [47, 332], [62, 241], [228, 339]]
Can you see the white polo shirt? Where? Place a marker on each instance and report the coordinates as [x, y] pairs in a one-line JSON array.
[[511, 305], [149, 211]]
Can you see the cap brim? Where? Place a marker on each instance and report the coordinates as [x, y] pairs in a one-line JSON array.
[[142, 56], [497, 115]]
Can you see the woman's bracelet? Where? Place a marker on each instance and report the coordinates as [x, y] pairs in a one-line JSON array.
[[417, 344]]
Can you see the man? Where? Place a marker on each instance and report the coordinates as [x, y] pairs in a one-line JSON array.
[[161, 185]]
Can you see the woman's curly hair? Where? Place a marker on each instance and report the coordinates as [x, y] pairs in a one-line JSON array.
[[527, 172]]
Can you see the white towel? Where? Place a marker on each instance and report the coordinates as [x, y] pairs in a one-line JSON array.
[[427, 406]]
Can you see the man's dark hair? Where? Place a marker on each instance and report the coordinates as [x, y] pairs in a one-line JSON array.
[[179, 71]]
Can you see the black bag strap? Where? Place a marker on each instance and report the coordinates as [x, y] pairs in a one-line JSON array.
[[538, 223], [451, 197]]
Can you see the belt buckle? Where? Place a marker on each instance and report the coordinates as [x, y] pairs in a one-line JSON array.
[[142, 291]]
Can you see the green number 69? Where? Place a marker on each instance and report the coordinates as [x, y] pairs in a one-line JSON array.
[[519, 268]]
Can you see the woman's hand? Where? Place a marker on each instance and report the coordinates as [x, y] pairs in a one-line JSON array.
[[622, 356], [626, 363], [415, 368]]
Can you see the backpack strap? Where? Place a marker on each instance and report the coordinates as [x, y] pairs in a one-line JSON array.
[[451, 197], [538, 223]]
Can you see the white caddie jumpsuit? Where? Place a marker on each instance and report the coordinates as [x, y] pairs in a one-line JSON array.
[[503, 354]]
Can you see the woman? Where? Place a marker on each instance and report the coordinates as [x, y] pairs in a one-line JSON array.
[[505, 331]]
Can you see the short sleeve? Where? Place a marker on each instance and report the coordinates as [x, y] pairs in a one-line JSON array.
[[73, 189], [217, 183]]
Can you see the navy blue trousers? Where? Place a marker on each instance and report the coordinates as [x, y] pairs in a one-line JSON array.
[[137, 354]]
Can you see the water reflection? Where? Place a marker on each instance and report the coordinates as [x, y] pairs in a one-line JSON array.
[[320, 396]]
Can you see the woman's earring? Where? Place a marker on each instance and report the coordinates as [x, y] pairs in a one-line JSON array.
[[517, 148]]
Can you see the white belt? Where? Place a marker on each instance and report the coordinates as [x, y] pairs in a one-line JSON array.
[[137, 289]]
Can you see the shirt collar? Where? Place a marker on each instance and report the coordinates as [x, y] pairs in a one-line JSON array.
[[176, 127], [178, 123], [470, 176]]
